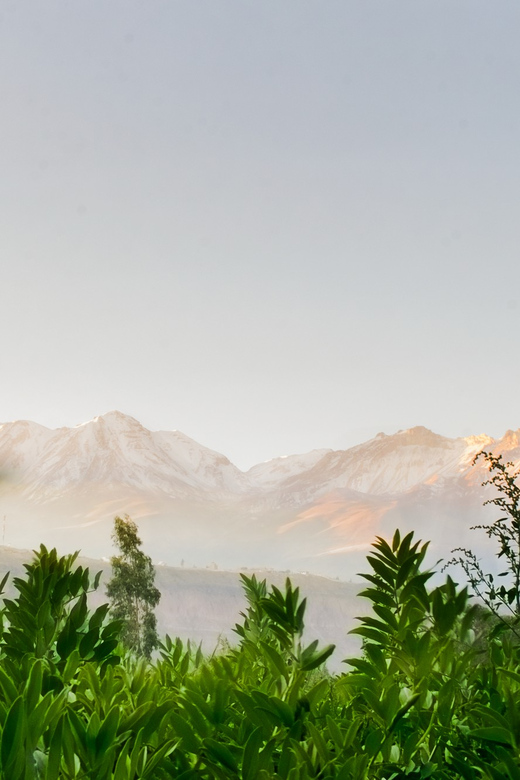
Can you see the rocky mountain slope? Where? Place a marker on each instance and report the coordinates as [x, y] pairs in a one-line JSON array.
[[314, 512]]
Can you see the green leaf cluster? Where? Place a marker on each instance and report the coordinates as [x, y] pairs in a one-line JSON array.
[[424, 698]]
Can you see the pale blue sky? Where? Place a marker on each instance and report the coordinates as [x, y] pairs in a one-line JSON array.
[[272, 225]]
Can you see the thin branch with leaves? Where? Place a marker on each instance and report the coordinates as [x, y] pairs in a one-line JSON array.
[[506, 531]]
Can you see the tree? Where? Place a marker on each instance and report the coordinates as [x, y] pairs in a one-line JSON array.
[[132, 590]]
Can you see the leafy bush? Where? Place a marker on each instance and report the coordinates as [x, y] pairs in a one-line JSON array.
[[423, 699]]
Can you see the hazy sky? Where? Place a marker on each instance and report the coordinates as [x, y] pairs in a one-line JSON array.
[[272, 225]]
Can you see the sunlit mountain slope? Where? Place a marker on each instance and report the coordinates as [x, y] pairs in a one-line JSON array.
[[316, 511]]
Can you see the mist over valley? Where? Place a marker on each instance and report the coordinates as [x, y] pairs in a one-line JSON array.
[[316, 512]]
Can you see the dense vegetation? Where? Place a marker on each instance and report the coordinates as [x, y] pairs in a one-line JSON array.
[[425, 698], [435, 691]]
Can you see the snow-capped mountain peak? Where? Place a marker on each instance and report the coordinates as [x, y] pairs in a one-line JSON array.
[[114, 449], [309, 507], [274, 471]]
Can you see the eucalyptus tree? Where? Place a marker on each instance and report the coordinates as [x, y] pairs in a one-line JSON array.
[[131, 589]]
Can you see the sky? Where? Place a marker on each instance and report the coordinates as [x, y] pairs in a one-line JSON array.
[[272, 226]]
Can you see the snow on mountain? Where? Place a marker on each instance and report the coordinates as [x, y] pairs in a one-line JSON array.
[[305, 511], [113, 449], [385, 464], [21, 444], [203, 466], [414, 480], [275, 471]]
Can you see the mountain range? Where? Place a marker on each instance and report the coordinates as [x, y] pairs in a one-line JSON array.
[[315, 512]]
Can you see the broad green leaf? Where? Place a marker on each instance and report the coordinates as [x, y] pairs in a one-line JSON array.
[[71, 666], [493, 734], [275, 658], [137, 718], [107, 731], [387, 615], [161, 753], [378, 596], [335, 732], [319, 742], [317, 658], [382, 570], [219, 752], [66, 641], [155, 718], [123, 766], [88, 642], [318, 691], [12, 735], [256, 715], [55, 753], [185, 732], [98, 616], [251, 752], [33, 688], [8, 687], [403, 710]]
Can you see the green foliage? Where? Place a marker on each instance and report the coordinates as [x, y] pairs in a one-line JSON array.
[[411, 687], [132, 590], [422, 700]]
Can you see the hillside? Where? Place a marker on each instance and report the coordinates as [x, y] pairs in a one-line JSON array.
[[204, 605]]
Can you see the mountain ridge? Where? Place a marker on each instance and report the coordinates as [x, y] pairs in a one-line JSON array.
[[307, 511], [121, 426]]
